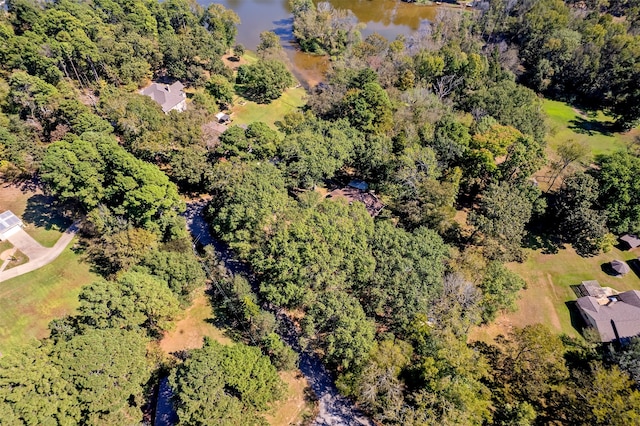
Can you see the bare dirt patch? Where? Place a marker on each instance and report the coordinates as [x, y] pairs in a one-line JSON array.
[[295, 406], [233, 62], [196, 324]]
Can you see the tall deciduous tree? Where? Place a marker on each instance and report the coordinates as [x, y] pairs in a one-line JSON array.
[[225, 385], [265, 80], [109, 370], [338, 326], [502, 216], [33, 390], [408, 275], [324, 246]]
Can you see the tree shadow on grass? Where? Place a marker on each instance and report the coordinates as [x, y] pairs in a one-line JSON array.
[[546, 243], [44, 211], [591, 126]]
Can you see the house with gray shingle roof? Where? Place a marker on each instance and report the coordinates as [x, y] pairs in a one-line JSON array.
[[614, 316], [169, 97]]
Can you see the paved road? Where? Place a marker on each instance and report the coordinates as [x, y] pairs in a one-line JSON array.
[[38, 255], [334, 409]]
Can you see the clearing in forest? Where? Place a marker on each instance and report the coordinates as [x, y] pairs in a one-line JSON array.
[[549, 297], [197, 323], [566, 122]]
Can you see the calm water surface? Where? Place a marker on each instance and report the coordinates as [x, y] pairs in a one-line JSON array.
[[389, 18]]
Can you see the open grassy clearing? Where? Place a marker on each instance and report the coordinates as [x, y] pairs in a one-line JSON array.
[[29, 302], [294, 408], [197, 323], [247, 112], [38, 211], [549, 278], [595, 128]]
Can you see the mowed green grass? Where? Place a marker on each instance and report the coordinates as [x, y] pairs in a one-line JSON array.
[[549, 278], [38, 212], [247, 112], [29, 302], [565, 122]]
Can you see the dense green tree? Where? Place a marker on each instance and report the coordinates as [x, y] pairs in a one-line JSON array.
[[282, 356], [221, 89], [502, 216], [135, 299], [221, 23], [315, 150], [450, 140], [75, 171], [408, 274], [513, 105], [33, 390], [265, 80], [95, 169], [225, 385], [450, 390], [619, 191], [182, 272], [500, 289], [368, 108], [338, 326], [579, 221], [258, 142], [248, 200], [189, 168], [109, 370], [323, 246]]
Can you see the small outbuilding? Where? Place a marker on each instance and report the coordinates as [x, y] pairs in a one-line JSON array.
[[620, 267], [9, 224], [223, 118], [632, 241]]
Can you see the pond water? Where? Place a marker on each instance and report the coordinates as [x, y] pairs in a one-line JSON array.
[[389, 18]]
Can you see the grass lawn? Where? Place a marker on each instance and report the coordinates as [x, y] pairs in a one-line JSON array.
[[548, 278], [5, 245], [29, 302], [18, 258], [39, 212], [566, 122], [249, 111]]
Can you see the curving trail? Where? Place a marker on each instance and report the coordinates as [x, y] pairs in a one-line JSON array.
[[334, 409]]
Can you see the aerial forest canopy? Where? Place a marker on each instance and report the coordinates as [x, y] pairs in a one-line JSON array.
[[377, 224]]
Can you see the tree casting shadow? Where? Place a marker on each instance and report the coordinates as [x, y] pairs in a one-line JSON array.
[[44, 211], [590, 126]]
